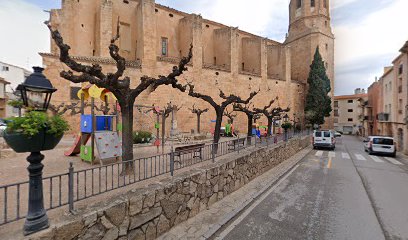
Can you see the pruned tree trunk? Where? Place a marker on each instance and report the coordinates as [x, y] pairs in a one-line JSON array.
[[270, 122], [127, 136], [217, 130], [250, 122]]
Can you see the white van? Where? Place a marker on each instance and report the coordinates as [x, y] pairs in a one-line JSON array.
[[324, 139], [380, 145]]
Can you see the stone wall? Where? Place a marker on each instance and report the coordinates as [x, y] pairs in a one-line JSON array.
[[149, 212]]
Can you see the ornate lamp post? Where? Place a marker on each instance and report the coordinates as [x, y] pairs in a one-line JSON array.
[[286, 120], [36, 86]]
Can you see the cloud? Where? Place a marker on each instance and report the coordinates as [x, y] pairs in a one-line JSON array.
[[24, 34]]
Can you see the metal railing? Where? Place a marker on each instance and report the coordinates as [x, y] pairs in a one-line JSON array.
[[73, 186]]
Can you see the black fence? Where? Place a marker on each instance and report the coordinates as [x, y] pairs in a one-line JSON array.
[[73, 186]]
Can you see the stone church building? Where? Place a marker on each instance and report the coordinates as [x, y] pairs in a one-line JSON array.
[[153, 38]]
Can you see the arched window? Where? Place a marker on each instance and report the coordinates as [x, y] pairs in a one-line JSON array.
[[299, 3], [312, 3]]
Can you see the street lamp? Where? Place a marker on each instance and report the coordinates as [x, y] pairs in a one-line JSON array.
[[36, 85]]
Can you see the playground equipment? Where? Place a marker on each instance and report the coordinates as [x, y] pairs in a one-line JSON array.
[[97, 128]]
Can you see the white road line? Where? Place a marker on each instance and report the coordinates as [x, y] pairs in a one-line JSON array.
[[224, 233], [345, 155], [319, 153], [360, 157], [332, 154], [376, 159], [392, 160]]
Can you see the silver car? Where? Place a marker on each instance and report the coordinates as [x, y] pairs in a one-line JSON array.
[[380, 145]]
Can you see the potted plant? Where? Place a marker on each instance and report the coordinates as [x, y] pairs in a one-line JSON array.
[[34, 132]]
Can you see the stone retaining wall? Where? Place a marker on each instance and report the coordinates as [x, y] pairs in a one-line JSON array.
[[149, 212]]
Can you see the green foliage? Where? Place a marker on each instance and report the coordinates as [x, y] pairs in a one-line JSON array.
[[141, 137], [34, 121], [318, 103], [287, 125], [16, 103]]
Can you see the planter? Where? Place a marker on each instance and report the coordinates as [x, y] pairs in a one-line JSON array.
[[39, 142]]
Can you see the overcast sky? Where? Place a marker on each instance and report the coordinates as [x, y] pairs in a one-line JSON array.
[[369, 33]]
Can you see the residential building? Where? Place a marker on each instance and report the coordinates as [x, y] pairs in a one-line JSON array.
[[349, 112], [388, 102], [3, 97], [153, 38], [13, 74]]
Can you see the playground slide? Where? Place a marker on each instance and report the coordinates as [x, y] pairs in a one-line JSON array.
[[76, 148]]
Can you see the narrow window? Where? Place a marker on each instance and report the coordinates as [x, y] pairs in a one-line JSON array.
[[74, 93], [350, 119], [350, 110], [336, 103], [325, 3], [299, 4], [401, 69], [312, 3], [164, 46], [336, 112], [350, 101], [215, 61], [243, 66], [5, 68], [327, 46]]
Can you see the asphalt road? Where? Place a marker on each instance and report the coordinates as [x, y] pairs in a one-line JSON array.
[[341, 194]]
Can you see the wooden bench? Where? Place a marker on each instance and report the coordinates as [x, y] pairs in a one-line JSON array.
[[196, 149], [240, 142]]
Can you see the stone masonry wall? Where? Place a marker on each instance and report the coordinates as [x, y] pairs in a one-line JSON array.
[[151, 211]]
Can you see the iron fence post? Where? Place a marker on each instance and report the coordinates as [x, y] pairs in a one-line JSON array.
[[213, 152], [71, 187]]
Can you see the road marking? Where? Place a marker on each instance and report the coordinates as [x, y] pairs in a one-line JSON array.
[[376, 159], [319, 153], [224, 233], [329, 164], [345, 155], [360, 157], [393, 161], [332, 154]]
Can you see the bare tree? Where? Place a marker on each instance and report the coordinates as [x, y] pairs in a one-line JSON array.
[[116, 83], [230, 115], [219, 108], [249, 113], [198, 112], [165, 114], [268, 114], [257, 116]]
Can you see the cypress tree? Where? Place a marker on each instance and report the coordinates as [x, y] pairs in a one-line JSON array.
[[318, 102]]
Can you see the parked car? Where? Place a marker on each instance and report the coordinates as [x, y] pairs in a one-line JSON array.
[[324, 139], [380, 145], [3, 126], [337, 134]]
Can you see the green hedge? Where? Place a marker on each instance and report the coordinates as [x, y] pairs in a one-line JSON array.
[[141, 137]]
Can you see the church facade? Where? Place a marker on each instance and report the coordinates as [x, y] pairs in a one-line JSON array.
[[153, 38]]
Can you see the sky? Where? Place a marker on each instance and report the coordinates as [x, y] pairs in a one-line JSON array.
[[369, 33]]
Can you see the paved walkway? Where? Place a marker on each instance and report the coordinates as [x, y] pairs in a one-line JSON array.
[[206, 223]]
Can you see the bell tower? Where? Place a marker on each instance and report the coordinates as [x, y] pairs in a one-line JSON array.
[[309, 28]]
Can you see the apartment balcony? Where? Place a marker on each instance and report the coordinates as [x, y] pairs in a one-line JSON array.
[[383, 117]]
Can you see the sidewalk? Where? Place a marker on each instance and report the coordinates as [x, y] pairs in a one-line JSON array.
[[206, 223]]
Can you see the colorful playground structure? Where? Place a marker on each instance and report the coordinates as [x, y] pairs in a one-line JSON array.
[[97, 128]]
